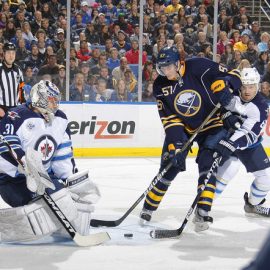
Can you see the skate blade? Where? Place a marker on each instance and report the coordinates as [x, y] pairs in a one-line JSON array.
[[200, 227]]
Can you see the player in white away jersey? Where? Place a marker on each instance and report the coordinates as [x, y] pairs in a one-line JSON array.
[[38, 133]]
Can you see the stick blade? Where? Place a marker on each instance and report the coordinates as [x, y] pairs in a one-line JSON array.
[[105, 223], [161, 234], [92, 239]]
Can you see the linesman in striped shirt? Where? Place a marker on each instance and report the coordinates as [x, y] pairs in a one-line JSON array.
[[11, 80]]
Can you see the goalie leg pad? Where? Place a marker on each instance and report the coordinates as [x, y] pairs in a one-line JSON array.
[[81, 185], [35, 220]]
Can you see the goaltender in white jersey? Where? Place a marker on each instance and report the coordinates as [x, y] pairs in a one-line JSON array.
[[38, 132]]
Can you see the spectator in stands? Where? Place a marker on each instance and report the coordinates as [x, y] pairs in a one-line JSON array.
[[202, 40], [132, 55], [33, 6], [62, 54], [47, 13], [10, 30], [228, 26], [33, 60], [161, 42], [76, 44], [190, 27], [163, 21], [105, 75], [235, 62], [232, 8], [121, 92], [147, 69], [51, 68], [242, 45], [102, 62], [243, 64], [3, 20], [86, 14], [6, 9], [173, 7], [124, 24], [266, 75], [60, 81], [19, 19], [121, 44], [261, 62], [18, 35], [251, 54], [263, 44], [81, 91], [146, 45], [235, 37], [78, 27], [102, 93], [136, 32], [101, 20], [207, 51], [130, 81], [95, 56], [223, 41], [29, 77], [133, 17], [180, 17], [41, 36], [191, 9], [242, 11], [26, 32], [104, 34], [255, 32], [110, 11], [54, 8], [36, 23], [49, 30], [119, 72], [113, 61], [108, 46], [91, 35], [83, 54], [73, 68], [222, 16], [147, 95], [148, 28], [21, 53], [265, 89], [244, 25], [85, 70]]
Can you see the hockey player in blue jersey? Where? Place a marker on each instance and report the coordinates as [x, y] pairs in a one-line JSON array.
[[38, 133], [186, 93], [244, 145]]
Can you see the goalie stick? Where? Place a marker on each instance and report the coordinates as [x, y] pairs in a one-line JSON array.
[[160, 234], [114, 223], [80, 240]]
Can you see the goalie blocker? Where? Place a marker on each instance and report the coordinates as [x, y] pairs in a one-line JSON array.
[[35, 220]]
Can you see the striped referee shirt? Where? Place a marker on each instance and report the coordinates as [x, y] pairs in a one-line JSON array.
[[11, 83]]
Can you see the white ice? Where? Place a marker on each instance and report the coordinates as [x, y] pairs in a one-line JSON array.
[[230, 243]]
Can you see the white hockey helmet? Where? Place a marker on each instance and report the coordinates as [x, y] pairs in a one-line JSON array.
[[45, 97], [250, 76]]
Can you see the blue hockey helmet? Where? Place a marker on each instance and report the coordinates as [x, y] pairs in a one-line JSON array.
[[167, 56]]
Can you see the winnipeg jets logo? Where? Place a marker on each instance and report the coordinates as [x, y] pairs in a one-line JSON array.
[[187, 103], [13, 115], [46, 145]]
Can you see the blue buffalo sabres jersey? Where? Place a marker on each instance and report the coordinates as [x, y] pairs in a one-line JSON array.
[[184, 106], [254, 121], [23, 128]]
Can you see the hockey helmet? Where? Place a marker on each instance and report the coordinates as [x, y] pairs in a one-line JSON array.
[[45, 97], [167, 56], [250, 76], [8, 46]]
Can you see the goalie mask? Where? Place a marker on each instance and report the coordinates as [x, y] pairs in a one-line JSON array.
[[250, 80], [168, 63], [45, 97]]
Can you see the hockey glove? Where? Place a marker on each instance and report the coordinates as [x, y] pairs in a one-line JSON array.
[[231, 121], [225, 149], [177, 157], [225, 97]]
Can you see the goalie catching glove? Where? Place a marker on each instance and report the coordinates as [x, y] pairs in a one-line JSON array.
[[37, 178]]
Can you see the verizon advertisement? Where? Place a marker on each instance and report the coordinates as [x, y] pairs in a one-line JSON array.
[[114, 125]]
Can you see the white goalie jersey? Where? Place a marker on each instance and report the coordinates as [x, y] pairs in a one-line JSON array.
[[23, 128]]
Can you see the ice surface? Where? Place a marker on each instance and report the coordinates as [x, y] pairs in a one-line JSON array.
[[231, 242]]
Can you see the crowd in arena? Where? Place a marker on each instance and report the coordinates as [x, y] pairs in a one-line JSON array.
[[104, 42]]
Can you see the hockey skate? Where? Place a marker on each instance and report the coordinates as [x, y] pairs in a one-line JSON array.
[[255, 209], [201, 220], [145, 216]]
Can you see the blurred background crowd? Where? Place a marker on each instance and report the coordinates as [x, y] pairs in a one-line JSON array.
[[104, 42]]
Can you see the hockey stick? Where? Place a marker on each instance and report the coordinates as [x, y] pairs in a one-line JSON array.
[[80, 240], [160, 234], [114, 223]]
